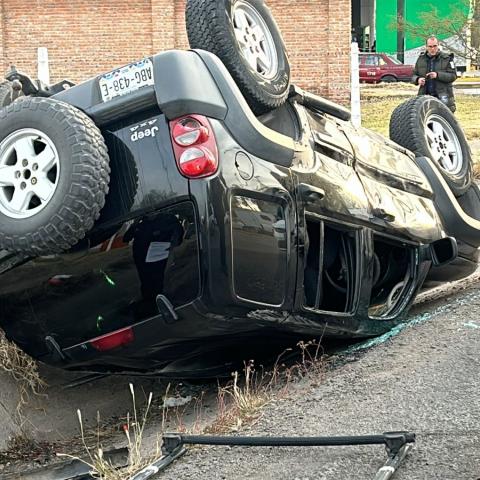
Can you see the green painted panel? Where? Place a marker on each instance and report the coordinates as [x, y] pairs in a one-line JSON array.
[[386, 33]]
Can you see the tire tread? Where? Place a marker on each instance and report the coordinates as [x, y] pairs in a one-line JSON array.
[[90, 177]]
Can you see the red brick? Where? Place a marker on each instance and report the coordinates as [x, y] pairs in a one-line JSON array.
[[88, 37]]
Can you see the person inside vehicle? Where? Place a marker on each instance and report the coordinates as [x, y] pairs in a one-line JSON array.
[[435, 72]]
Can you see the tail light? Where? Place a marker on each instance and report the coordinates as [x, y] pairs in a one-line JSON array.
[[194, 146], [119, 338]]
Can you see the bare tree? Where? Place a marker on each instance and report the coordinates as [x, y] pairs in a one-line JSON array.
[[475, 24], [462, 25]]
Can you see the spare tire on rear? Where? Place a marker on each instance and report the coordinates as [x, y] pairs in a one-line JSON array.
[[244, 35], [428, 128], [54, 175]]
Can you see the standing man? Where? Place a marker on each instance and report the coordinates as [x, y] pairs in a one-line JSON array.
[[435, 72]]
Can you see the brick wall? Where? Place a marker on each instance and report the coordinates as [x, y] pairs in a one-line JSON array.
[[317, 37], [88, 37]]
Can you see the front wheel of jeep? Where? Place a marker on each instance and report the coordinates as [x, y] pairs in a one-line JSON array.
[[428, 128]]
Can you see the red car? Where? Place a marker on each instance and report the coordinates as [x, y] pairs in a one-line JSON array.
[[380, 67]]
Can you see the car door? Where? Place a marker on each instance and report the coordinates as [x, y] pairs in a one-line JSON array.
[[331, 209], [370, 68]]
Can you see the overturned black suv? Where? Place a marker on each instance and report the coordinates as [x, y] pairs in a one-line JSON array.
[[160, 215]]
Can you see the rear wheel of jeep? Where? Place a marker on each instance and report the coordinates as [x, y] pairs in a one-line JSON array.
[[244, 35], [54, 175], [428, 128]]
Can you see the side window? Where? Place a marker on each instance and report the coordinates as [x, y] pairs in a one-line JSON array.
[[371, 60], [329, 139], [381, 61]]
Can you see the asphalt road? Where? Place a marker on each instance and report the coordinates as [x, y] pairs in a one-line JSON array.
[[425, 380]]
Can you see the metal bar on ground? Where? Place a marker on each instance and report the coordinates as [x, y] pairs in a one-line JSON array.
[[399, 437], [392, 464], [397, 445]]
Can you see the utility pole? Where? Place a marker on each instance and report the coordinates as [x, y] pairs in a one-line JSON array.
[[475, 32], [401, 31]]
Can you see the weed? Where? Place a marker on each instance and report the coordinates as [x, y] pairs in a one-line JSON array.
[[22, 368], [311, 364], [21, 448], [133, 429], [242, 399]]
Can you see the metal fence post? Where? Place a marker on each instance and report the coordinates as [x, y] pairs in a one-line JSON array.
[[42, 66], [355, 86]]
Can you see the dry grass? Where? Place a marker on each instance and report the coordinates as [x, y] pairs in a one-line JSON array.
[[467, 79], [468, 114], [379, 101], [22, 449], [241, 401], [22, 368], [100, 466]]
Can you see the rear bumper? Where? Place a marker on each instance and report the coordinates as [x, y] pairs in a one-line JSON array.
[[197, 82]]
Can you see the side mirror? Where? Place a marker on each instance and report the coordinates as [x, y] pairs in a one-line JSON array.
[[443, 251]]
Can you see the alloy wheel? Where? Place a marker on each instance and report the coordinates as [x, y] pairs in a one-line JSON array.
[[443, 144], [29, 173], [255, 40]]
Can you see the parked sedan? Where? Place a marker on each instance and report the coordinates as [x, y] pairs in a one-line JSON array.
[[151, 222], [381, 67]]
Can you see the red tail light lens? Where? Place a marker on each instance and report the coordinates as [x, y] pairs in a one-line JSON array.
[[189, 131], [197, 162], [113, 340], [194, 146]]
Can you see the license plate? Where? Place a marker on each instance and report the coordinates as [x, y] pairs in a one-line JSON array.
[[126, 79]]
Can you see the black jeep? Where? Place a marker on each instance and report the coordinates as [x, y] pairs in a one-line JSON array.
[[161, 215]]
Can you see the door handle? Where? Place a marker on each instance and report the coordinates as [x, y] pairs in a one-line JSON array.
[[382, 214], [309, 193]]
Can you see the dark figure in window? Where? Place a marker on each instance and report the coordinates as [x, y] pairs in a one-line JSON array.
[[153, 240]]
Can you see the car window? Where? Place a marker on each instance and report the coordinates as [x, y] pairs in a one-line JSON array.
[[381, 62], [394, 60], [330, 141], [371, 60]]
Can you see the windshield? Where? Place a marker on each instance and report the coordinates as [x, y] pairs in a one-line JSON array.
[[394, 60]]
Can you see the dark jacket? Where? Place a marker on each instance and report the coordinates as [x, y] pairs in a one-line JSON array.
[[441, 87]]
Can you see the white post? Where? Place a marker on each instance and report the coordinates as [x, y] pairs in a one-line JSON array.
[[355, 87], [42, 66], [468, 34]]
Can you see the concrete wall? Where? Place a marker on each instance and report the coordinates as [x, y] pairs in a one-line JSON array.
[[88, 37]]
